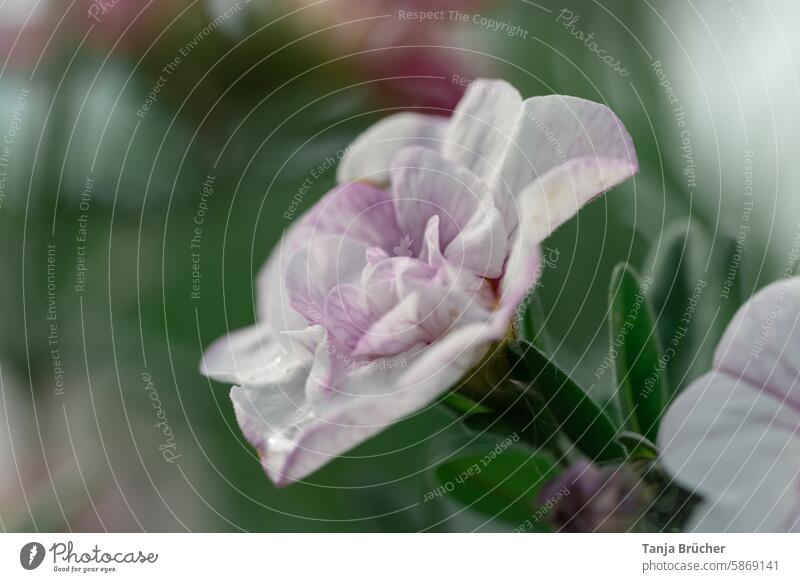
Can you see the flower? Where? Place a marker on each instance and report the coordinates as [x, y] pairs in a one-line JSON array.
[[588, 498], [395, 284], [733, 436]]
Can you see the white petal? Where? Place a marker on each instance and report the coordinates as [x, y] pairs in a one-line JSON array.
[[554, 129], [732, 443], [762, 342], [325, 262], [249, 355], [482, 126], [482, 245], [544, 206], [424, 184], [370, 155]]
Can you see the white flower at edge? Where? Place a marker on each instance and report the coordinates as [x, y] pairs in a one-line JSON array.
[[733, 436]]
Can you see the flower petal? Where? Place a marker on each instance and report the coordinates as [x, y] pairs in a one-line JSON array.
[[762, 342], [482, 245], [355, 210], [249, 355], [732, 443], [424, 185], [554, 129], [325, 262], [544, 206], [482, 127], [370, 155]]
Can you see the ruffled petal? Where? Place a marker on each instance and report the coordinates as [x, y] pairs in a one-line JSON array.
[[424, 185], [324, 263], [482, 126], [369, 157]]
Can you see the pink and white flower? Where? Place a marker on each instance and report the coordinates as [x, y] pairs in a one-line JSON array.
[[395, 284], [733, 436]]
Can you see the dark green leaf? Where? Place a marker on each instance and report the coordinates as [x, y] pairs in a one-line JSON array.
[[638, 369], [578, 416], [502, 485]]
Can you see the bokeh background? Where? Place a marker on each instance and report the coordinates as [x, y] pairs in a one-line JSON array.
[[127, 125]]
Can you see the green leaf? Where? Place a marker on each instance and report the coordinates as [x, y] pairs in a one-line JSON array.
[[640, 382], [638, 447], [502, 485], [697, 287], [578, 416]]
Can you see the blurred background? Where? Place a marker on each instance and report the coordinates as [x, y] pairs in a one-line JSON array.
[[150, 151]]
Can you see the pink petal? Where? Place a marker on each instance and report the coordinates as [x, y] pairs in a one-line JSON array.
[[326, 261], [424, 185]]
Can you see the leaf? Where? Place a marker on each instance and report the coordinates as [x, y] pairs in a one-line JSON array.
[[578, 416], [638, 369], [697, 287], [638, 447], [501, 485]]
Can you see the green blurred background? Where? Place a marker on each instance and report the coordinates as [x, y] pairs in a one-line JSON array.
[[113, 115]]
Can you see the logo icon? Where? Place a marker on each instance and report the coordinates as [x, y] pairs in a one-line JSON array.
[[31, 555]]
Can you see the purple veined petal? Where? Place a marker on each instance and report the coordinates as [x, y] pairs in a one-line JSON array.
[[326, 261], [431, 252], [380, 281], [358, 211], [424, 185], [481, 247], [554, 129], [482, 125], [249, 355], [762, 343], [395, 331], [737, 447], [347, 316], [369, 157]]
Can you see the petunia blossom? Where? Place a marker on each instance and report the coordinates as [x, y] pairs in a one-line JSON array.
[[398, 281], [733, 436]]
